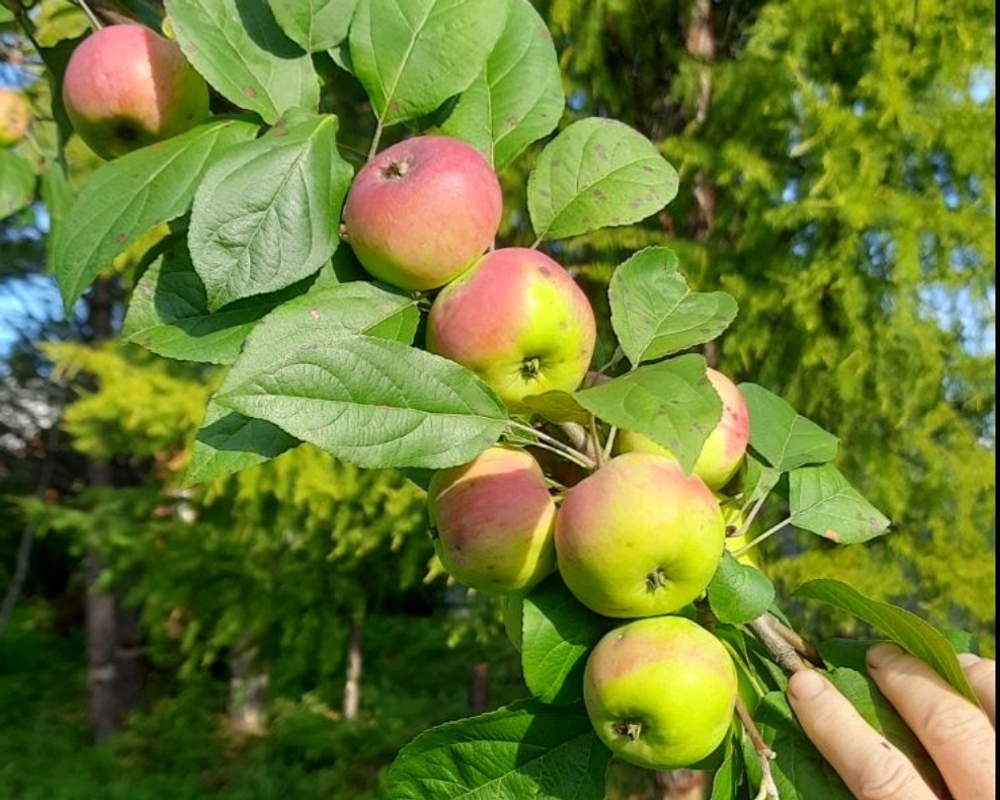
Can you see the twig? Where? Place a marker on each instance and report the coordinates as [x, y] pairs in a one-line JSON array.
[[765, 755], [800, 645], [766, 629]]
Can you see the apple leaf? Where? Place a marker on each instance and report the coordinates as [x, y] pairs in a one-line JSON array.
[[314, 25], [655, 314], [823, 502], [240, 50], [759, 479], [168, 312], [518, 97], [739, 593], [558, 407], [781, 436], [597, 173], [412, 55], [901, 626], [799, 771], [228, 442], [558, 632], [374, 403], [525, 750], [17, 183], [265, 216], [727, 778], [126, 197], [671, 402]]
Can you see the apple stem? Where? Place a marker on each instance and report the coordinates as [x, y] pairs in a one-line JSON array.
[[765, 535], [610, 443], [768, 788], [375, 141], [596, 442], [90, 15], [751, 515], [552, 444]]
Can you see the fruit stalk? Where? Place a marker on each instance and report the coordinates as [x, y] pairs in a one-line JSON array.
[[768, 788]]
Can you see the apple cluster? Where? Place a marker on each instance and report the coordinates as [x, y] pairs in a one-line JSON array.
[[637, 540]]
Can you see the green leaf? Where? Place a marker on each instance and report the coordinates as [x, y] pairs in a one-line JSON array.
[[242, 52], [518, 97], [758, 480], [375, 403], [17, 183], [412, 55], [228, 442], [558, 407], [597, 173], [168, 312], [655, 314], [785, 439], [314, 25], [739, 593], [823, 502], [799, 770], [126, 197], [558, 632], [727, 778], [526, 750], [901, 626], [265, 216], [671, 402]]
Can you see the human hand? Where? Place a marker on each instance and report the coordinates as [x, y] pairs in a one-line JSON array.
[[958, 736]]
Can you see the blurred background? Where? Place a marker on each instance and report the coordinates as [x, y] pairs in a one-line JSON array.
[[283, 632]]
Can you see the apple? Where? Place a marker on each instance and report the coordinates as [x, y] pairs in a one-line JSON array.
[[732, 513], [723, 451], [126, 87], [15, 117], [660, 692], [518, 320], [494, 521], [638, 537], [421, 211]]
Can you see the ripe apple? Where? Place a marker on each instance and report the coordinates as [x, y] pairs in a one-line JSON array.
[[660, 692], [126, 87], [733, 516], [638, 538], [494, 519], [723, 451], [421, 211], [15, 117], [518, 320]]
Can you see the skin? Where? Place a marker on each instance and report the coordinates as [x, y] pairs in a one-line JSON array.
[[723, 451], [421, 211], [518, 320], [494, 519], [127, 87], [638, 538], [660, 692], [15, 116], [959, 736]]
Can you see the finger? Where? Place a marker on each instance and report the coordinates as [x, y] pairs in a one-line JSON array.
[[956, 733], [982, 674], [872, 768]]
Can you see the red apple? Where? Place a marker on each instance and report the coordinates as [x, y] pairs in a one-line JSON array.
[[493, 519], [723, 451], [126, 87], [518, 320], [638, 537], [422, 211], [14, 117]]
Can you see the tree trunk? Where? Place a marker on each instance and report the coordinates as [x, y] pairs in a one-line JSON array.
[[479, 688], [248, 689], [352, 688]]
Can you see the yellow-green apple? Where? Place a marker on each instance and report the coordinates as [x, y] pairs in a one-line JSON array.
[[660, 692], [14, 117], [732, 513], [126, 87], [638, 537], [518, 320], [493, 521], [723, 451], [421, 211]]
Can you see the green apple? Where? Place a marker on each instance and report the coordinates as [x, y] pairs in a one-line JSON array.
[[493, 521], [15, 116], [660, 692], [732, 513], [723, 451], [638, 537], [518, 320], [421, 211], [126, 87]]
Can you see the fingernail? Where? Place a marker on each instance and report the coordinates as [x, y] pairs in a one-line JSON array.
[[882, 654], [968, 659], [805, 684]]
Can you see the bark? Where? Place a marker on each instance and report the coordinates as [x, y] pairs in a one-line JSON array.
[[479, 688], [352, 688]]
